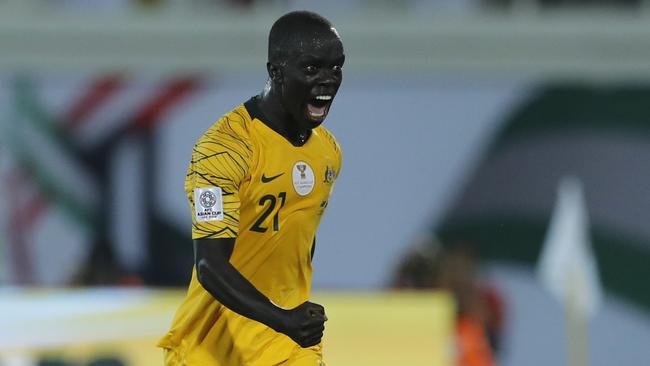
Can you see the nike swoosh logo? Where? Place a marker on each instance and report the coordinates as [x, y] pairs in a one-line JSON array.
[[268, 179]]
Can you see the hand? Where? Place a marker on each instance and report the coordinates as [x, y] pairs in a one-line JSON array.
[[304, 324]]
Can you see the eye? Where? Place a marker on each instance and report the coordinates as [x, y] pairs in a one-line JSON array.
[[337, 68], [311, 69]]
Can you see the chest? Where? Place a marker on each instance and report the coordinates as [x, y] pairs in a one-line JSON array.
[[289, 178]]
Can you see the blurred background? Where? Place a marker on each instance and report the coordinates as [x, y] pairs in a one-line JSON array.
[[458, 121]]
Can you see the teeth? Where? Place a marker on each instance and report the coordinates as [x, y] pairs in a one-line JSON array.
[[323, 97]]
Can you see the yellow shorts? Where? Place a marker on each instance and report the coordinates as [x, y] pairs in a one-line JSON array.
[[300, 357], [305, 357]]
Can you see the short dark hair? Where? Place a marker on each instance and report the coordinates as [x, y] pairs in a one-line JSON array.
[[292, 27]]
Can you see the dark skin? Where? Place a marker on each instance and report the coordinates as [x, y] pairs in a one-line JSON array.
[[309, 75], [314, 69]]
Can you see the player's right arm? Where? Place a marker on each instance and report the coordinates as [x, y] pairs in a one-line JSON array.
[[220, 162], [304, 324]]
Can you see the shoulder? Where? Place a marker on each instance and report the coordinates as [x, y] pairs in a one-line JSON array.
[[234, 125], [230, 133], [332, 145], [330, 139], [227, 143]]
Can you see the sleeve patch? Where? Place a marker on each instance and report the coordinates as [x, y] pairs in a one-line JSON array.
[[208, 204]]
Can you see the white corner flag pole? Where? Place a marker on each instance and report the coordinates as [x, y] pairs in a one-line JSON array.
[[567, 268]]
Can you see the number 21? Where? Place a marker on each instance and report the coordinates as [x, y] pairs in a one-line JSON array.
[[257, 226]]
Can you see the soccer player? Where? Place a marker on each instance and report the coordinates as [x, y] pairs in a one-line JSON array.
[[258, 183]]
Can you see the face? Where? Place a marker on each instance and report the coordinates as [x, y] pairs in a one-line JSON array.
[[311, 76]]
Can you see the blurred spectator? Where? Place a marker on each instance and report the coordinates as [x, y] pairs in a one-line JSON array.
[[418, 269], [480, 308]]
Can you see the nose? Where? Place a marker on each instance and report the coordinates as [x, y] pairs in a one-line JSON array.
[[329, 77]]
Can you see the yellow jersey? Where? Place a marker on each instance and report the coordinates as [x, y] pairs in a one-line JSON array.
[[248, 182]]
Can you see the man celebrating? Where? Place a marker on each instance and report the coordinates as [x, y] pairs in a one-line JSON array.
[[258, 184]]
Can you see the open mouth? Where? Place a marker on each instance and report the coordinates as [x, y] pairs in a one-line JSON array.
[[318, 107]]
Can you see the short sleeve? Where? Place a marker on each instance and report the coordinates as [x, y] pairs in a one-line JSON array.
[[220, 163]]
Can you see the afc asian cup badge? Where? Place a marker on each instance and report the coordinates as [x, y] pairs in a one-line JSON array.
[[208, 204], [208, 199]]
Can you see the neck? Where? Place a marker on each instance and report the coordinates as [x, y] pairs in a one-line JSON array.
[[279, 120]]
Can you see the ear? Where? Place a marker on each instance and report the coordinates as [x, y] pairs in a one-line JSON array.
[[275, 73]]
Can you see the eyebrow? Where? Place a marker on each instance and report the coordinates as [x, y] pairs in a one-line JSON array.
[[307, 58]]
